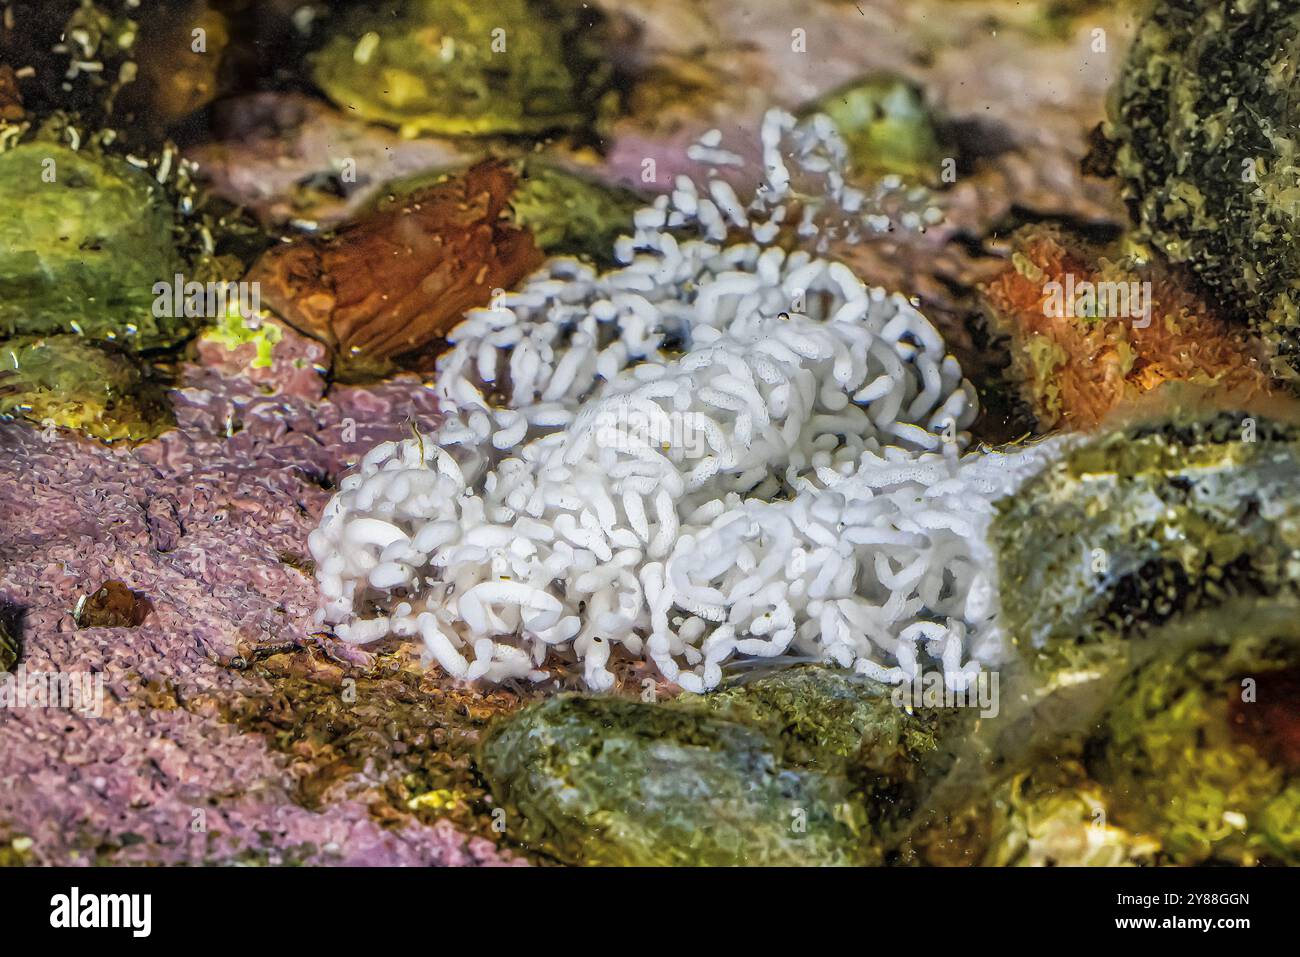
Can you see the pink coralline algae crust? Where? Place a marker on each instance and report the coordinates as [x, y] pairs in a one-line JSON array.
[[198, 521]]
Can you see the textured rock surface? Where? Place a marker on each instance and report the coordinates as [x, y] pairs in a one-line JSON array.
[[1198, 745], [1205, 121], [1079, 360], [467, 66], [803, 767], [69, 382], [396, 279], [94, 237], [205, 522], [1144, 523]]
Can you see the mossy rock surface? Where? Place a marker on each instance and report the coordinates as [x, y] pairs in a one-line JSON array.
[[1200, 745], [94, 238], [572, 214], [887, 126], [1140, 525], [69, 382], [567, 213], [800, 768], [467, 67], [1205, 114]]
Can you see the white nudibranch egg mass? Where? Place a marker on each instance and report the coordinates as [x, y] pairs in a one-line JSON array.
[[717, 451]]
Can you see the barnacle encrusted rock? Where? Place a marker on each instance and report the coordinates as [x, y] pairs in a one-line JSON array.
[[94, 237], [401, 276], [1205, 114], [468, 67], [1090, 328], [887, 126], [806, 767], [68, 381], [1141, 524], [1200, 745]]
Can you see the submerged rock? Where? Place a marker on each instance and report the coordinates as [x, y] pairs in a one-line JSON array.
[[1205, 119], [1091, 328], [1146, 522], [113, 605], [565, 212], [1200, 745], [886, 125], [804, 767], [571, 214], [94, 237], [71, 382], [1188, 753], [400, 276], [468, 67], [1050, 816]]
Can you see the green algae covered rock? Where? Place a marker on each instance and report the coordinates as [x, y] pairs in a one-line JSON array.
[[834, 721], [1200, 745], [886, 125], [71, 382], [1140, 525], [467, 67], [94, 237], [1190, 754], [571, 214], [566, 213], [1206, 114], [803, 767], [1052, 815]]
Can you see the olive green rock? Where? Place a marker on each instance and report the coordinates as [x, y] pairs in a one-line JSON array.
[[886, 125], [1200, 745], [467, 67], [803, 767], [74, 383], [1189, 755], [572, 214], [1205, 116], [1146, 522], [94, 236], [567, 213]]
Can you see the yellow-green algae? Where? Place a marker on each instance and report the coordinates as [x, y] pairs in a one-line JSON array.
[[95, 236], [467, 67], [1174, 749], [1141, 524], [568, 213], [572, 214], [70, 382], [1206, 117], [808, 766], [887, 126], [1188, 753]]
